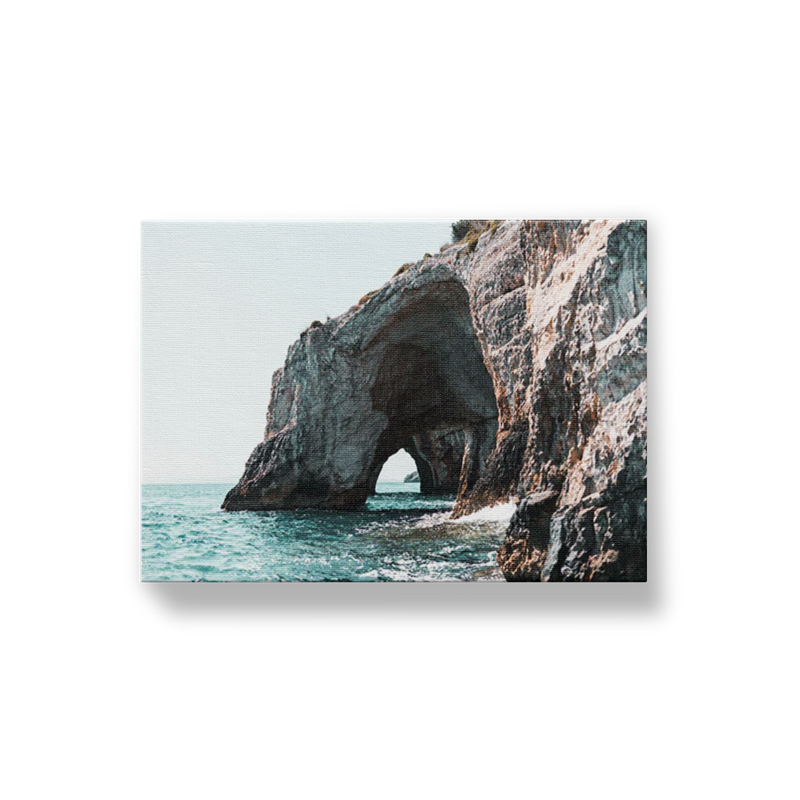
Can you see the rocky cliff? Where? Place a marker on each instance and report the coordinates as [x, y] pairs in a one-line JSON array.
[[513, 365]]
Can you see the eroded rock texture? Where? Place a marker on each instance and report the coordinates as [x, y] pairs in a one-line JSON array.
[[404, 370], [439, 456], [579, 450], [514, 367]]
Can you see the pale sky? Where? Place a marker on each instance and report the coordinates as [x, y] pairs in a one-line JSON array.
[[222, 302]]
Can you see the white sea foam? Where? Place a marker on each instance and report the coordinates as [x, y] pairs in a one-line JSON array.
[[499, 513], [430, 520]]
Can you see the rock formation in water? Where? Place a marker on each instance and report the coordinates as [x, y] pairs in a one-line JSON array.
[[403, 370], [438, 456], [512, 366]]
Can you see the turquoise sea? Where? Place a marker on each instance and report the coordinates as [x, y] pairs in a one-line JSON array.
[[400, 535]]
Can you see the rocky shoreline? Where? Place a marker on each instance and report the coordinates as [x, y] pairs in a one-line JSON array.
[[512, 364]]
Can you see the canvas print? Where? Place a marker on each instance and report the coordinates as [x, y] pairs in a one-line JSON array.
[[400, 400]]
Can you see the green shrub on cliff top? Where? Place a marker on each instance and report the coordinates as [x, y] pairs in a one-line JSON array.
[[367, 297], [402, 269], [470, 230], [461, 228], [315, 324]]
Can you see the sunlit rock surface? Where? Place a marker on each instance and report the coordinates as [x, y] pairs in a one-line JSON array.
[[517, 363], [403, 370]]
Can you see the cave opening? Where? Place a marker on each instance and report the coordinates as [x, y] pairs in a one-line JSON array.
[[403, 374], [399, 473], [435, 391]]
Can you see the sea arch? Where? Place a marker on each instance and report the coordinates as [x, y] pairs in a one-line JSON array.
[[404, 370]]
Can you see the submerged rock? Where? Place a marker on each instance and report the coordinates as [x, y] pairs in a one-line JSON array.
[[513, 365]]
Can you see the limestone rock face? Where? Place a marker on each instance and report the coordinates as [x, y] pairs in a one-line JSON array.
[[513, 367], [403, 370], [439, 455], [586, 409]]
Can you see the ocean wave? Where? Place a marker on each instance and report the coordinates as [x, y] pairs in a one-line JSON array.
[[431, 520], [394, 538], [499, 513]]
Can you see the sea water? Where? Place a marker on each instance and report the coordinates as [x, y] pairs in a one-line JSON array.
[[400, 535]]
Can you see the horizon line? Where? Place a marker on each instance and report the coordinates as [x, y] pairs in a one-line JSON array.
[[232, 482]]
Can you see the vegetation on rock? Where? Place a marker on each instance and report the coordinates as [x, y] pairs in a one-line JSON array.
[[470, 230], [403, 269], [367, 297]]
